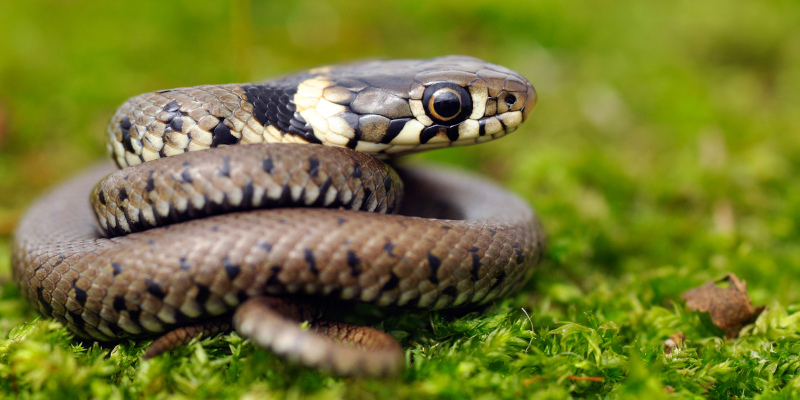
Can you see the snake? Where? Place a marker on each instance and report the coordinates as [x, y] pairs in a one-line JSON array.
[[191, 235]]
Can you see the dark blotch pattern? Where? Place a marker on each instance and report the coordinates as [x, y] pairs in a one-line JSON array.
[[117, 268], [313, 167], [155, 289], [268, 166], [434, 263], [80, 295], [119, 303], [388, 248], [354, 263], [273, 105], [231, 269], [392, 283], [122, 195], [312, 264], [264, 246], [222, 135], [203, 293]]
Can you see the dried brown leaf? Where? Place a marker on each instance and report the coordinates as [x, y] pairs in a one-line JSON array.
[[730, 308]]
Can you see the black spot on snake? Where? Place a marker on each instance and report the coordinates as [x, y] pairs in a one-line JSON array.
[[434, 263], [340, 221], [248, 194], [225, 168], [119, 303], [273, 279], [44, 304], [451, 292], [482, 127], [77, 319], [151, 183], [519, 252], [323, 191], [312, 264], [392, 283], [183, 264], [231, 269], [122, 195], [117, 268], [474, 249], [367, 195], [388, 247], [186, 176], [313, 166], [264, 246], [202, 294], [352, 143], [499, 279], [80, 295], [268, 166], [172, 107], [134, 315], [222, 135], [476, 267], [354, 263], [102, 198], [357, 172], [176, 124], [126, 141], [154, 289], [125, 123]]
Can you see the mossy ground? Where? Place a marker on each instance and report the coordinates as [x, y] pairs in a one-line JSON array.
[[665, 151]]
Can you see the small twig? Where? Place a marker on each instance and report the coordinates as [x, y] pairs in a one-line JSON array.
[[586, 378], [530, 343]]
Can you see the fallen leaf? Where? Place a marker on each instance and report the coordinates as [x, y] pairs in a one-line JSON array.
[[730, 308]]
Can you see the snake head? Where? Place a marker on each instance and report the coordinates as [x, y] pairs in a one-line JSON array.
[[381, 107], [401, 106]]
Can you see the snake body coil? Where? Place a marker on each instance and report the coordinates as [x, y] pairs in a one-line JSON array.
[[457, 240]]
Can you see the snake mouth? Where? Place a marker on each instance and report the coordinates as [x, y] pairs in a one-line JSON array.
[[468, 133]]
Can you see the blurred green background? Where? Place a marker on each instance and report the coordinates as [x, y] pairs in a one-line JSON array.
[[664, 151]]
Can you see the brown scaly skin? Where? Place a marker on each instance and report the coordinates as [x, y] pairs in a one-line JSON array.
[[186, 278]]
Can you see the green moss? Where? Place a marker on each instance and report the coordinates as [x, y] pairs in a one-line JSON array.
[[663, 153]]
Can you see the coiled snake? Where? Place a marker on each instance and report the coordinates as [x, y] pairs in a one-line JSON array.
[[453, 240]]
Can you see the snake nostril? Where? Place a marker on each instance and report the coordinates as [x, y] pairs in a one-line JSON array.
[[510, 99]]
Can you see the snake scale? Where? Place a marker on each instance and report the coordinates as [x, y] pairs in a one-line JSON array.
[[258, 238]]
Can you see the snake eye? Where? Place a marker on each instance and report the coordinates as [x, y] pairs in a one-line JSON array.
[[510, 99], [447, 103]]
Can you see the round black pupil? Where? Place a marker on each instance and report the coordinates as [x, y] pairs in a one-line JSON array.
[[510, 99], [447, 104]]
